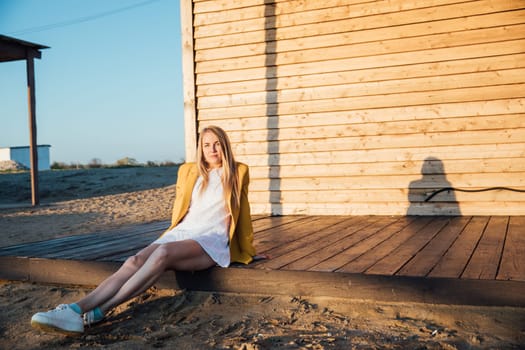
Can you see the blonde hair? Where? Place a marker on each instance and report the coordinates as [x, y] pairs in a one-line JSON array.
[[230, 180]]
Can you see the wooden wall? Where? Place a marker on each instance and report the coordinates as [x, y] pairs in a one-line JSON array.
[[366, 107]]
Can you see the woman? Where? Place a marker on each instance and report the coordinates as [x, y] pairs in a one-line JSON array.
[[211, 225]]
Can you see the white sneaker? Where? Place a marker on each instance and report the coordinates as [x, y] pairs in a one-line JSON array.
[[90, 319], [62, 319]]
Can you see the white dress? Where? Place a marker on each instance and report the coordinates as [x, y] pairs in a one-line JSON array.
[[207, 221]]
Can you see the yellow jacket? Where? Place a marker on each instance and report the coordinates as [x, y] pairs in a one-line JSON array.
[[241, 230]]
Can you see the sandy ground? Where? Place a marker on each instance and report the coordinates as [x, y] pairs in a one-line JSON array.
[[83, 201]]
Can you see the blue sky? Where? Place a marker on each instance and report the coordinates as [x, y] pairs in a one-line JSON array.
[[109, 86]]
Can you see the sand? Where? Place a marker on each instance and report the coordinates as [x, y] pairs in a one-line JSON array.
[[84, 201]]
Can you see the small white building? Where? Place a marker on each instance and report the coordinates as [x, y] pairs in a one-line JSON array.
[[21, 154]]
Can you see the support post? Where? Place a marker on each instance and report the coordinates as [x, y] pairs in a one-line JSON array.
[[33, 146]]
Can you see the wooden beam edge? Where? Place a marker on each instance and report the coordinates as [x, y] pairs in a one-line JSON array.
[[281, 282], [357, 286], [14, 268]]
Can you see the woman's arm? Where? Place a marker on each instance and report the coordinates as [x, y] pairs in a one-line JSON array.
[[185, 181], [242, 241]]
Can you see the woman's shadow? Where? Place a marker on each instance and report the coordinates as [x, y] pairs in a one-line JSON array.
[[433, 193]]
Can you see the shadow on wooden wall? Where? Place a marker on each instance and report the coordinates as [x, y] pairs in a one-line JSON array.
[[272, 109], [433, 178]]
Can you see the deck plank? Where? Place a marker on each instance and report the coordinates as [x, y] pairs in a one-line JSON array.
[[453, 263], [351, 235], [54, 247], [382, 242], [282, 255], [429, 256], [321, 230], [512, 265], [284, 234], [369, 258], [486, 257], [272, 222], [104, 249], [121, 255], [393, 262], [82, 250], [350, 248], [125, 251]]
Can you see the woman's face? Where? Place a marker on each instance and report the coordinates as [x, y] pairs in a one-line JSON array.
[[211, 148]]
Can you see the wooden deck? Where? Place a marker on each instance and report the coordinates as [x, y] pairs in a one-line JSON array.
[[458, 260]]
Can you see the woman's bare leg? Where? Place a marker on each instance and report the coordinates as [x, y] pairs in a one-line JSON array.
[[182, 255], [111, 285]]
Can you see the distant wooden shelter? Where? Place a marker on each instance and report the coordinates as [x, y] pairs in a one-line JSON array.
[[12, 49], [366, 108]]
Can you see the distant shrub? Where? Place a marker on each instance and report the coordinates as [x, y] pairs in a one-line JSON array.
[[127, 162], [95, 163], [168, 163], [64, 166], [59, 166]]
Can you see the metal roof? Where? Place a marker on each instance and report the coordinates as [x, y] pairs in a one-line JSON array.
[[21, 147], [12, 49]]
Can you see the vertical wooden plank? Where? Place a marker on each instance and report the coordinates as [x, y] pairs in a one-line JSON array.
[[453, 263], [485, 260], [33, 145], [512, 265], [188, 79], [428, 257]]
